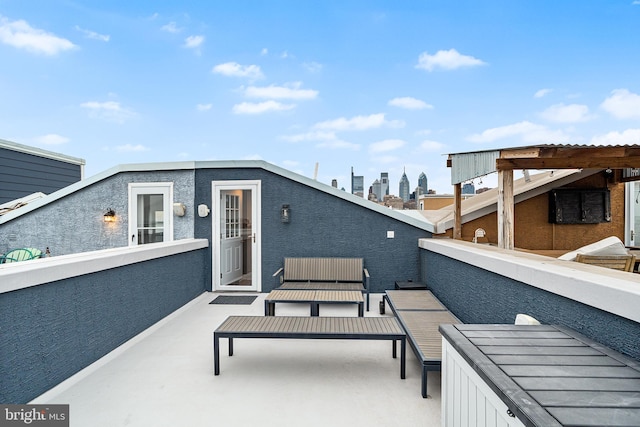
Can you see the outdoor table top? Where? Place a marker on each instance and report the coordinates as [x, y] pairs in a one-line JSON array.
[[295, 326], [551, 375], [291, 295], [413, 300]]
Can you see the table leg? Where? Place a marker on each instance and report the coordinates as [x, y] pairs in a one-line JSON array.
[[403, 353], [361, 309], [216, 354], [230, 346], [315, 309]]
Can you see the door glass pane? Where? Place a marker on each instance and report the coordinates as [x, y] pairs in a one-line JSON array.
[[150, 223]]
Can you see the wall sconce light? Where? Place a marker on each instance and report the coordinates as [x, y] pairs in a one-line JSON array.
[[110, 216], [285, 214]]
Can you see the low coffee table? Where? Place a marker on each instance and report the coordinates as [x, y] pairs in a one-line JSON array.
[[315, 298]]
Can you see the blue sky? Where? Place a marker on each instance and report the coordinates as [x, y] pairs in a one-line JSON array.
[[380, 86]]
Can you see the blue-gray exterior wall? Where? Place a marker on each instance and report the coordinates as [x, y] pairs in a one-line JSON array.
[[75, 223], [476, 295], [22, 174], [51, 331], [322, 225]]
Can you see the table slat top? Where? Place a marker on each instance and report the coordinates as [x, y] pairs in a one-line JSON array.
[[316, 325], [286, 295], [571, 378]]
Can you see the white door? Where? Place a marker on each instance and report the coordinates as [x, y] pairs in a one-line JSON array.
[[231, 240], [236, 237], [150, 218], [632, 213]]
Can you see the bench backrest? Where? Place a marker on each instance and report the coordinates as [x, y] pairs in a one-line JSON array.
[[323, 269], [23, 254], [616, 262]]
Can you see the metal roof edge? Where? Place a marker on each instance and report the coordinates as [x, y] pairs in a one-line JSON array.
[[10, 145]]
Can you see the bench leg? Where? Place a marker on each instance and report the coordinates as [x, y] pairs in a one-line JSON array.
[[360, 309], [394, 349], [315, 309], [230, 346], [216, 354]]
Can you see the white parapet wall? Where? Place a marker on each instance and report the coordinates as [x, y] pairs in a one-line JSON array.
[[23, 274], [613, 291]]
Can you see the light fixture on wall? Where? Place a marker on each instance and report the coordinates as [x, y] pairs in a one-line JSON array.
[[285, 214], [110, 216]]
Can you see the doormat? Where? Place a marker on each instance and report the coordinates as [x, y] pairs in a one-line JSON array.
[[234, 299]]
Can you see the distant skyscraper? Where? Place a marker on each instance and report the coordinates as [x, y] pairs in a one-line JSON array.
[[384, 185], [375, 189], [422, 184], [357, 184], [468, 189], [403, 188]]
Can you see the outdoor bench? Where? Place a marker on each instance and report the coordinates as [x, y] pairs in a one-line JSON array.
[[293, 327], [324, 274], [420, 313]]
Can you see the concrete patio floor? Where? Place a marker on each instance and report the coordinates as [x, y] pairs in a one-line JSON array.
[[164, 377]]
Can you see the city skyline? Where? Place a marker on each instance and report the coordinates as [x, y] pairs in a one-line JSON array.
[[317, 88]]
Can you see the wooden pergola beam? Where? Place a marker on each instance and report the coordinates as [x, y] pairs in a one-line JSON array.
[[568, 163]]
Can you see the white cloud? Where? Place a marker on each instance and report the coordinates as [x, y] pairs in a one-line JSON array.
[[52, 139], [193, 42], [372, 121], [447, 60], [110, 111], [310, 136], [622, 104], [325, 140], [261, 107], [288, 91], [431, 146], [204, 107], [628, 137], [21, 35], [573, 113], [409, 103], [386, 145], [93, 35], [387, 159], [128, 148], [313, 67], [636, 2], [233, 69], [171, 27], [542, 93], [264, 51], [527, 132]]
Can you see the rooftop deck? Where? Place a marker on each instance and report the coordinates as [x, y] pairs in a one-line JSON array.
[[164, 377]]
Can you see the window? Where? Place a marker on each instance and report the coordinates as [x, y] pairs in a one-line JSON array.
[[150, 219], [579, 206]]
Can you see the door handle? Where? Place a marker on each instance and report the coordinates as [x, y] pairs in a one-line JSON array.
[[254, 237]]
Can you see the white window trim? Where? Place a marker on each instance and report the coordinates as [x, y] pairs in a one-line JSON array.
[[166, 188]]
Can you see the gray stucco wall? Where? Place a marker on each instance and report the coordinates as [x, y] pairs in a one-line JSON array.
[[75, 223], [51, 331], [476, 295], [322, 225]]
